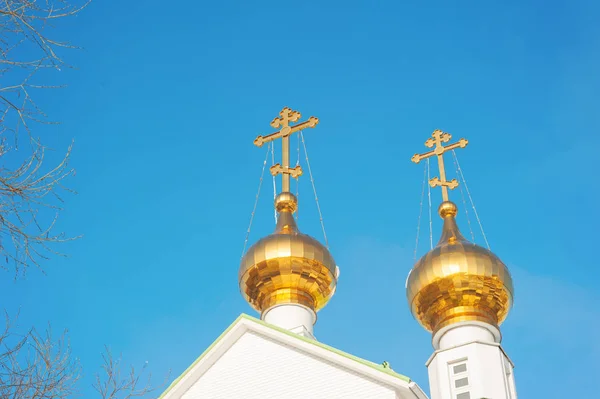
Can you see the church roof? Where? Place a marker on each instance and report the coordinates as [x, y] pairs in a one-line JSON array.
[[251, 323]]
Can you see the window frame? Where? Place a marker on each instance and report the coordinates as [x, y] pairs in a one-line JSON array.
[[453, 377]]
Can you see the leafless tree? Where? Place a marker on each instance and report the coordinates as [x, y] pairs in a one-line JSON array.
[[112, 384], [30, 57], [35, 366]]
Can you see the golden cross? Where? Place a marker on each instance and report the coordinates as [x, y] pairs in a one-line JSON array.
[[439, 137], [286, 116]]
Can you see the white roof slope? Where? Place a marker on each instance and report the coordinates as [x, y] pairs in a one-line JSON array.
[[253, 359]]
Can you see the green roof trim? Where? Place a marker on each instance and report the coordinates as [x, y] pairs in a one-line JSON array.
[[375, 366], [216, 341]]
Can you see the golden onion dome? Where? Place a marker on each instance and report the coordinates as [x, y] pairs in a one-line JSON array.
[[458, 281], [287, 266]]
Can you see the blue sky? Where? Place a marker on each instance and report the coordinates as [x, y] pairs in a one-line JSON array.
[[166, 101]]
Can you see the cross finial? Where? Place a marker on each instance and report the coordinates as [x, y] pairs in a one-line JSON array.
[[286, 116], [437, 139]]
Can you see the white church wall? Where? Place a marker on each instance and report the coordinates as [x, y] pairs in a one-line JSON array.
[[435, 381], [472, 371], [257, 367], [510, 377]]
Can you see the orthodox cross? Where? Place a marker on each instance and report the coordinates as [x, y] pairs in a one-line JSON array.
[[439, 137], [286, 116]]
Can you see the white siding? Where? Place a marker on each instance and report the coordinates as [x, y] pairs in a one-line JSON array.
[[257, 367], [486, 372]]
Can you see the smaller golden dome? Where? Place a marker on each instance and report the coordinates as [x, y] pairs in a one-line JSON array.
[[287, 266], [458, 281]]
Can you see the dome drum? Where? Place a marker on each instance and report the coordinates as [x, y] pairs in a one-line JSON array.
[[285, 296]]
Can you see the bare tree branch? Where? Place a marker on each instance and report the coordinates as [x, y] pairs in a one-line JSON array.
[[112, 384], [29, 190], [34, 366]]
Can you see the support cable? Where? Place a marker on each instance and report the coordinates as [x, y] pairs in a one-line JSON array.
[[274, 181], [297, 180], [312, 181], [420, 212], [429, 196], [256, 200], [462, 177], [462, 194]]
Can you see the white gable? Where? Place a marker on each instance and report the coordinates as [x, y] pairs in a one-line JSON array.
[[258, 367], [255, 360]]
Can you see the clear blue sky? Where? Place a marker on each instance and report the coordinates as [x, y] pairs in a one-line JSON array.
[[165, 104]]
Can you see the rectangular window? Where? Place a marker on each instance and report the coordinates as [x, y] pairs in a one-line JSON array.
[[464, 395], [461, 382], [460, 368]]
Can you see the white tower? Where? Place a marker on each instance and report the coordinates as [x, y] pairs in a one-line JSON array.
[[461, 293]]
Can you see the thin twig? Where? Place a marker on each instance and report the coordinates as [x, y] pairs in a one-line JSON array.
[[30, 192]]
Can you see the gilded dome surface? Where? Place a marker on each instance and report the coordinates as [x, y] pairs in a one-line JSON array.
[[458, 281], [287, 266]]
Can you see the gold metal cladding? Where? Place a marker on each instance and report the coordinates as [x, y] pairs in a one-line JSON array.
[[287, 295], [287, 266], [286, 116], [294, 172], [286, 202], [447, 208], [458, 281], [437, 140]]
